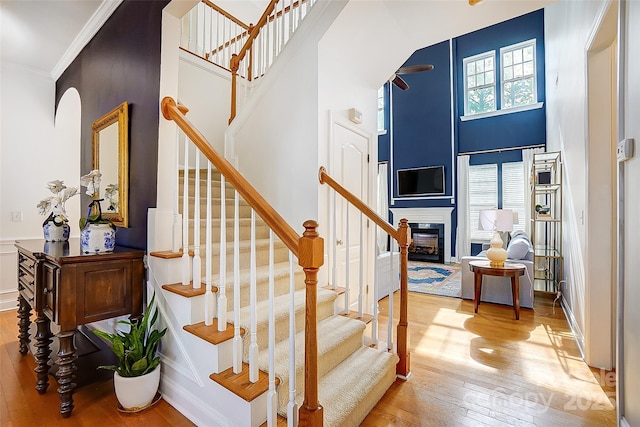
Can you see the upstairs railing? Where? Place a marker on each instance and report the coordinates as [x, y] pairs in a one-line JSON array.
[[308, 248], [247, 51], [402, 237]]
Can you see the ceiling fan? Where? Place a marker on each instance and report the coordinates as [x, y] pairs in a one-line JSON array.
[[409, 69]]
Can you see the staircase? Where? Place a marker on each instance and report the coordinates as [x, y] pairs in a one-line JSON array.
[[351, 376]]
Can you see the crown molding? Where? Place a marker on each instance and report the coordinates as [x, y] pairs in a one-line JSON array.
[[97, 20]]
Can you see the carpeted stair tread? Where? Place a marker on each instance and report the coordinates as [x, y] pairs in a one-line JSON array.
[[325, 301], [338, 337], [352, 389], [280, 270]]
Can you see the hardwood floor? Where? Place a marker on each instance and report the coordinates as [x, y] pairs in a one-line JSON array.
[[467, 370], [490, 369]]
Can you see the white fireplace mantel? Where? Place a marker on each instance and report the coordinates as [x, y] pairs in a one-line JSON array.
[[428, 215]]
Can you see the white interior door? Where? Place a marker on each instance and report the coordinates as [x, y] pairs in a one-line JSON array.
[[349, 166]]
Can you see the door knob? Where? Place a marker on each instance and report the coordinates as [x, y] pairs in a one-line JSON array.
[[338, 242]]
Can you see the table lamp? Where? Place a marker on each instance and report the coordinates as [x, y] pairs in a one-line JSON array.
[[496, 220]]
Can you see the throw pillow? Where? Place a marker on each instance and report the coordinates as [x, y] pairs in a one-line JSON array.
[[519, 247]]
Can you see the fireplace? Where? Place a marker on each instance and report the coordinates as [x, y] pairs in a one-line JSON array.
[[428, 242], [440, 215]]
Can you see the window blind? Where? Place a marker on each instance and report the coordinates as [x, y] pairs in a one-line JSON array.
[[483, 194]]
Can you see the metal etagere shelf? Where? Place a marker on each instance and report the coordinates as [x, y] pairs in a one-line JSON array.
[[546, 217]]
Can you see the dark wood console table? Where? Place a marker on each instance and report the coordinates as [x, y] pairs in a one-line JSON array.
[[509, 269], [71, 289]]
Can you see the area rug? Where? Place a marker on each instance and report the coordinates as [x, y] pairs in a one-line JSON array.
[[435, 279]]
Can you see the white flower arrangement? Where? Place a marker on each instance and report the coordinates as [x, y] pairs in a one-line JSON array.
[[92, 182], [111, 195], [54, 206]]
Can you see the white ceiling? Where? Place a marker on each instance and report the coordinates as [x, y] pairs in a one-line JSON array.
[[37, 33]]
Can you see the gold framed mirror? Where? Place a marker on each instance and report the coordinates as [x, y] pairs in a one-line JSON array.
[[111, 157]]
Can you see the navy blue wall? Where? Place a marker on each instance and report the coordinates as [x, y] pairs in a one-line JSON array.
[[422, 115], [122, 63]]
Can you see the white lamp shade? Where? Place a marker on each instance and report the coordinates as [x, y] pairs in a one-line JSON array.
[[496, 219]]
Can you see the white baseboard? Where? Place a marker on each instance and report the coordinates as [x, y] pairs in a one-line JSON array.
[[8, 300], [624, 422], [577, 333], [191, 406]]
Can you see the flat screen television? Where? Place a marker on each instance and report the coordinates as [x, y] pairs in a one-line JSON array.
[[427, 181]]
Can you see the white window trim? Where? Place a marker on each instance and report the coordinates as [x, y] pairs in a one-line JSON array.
[[511, 110], [520, 45], [465, 61]]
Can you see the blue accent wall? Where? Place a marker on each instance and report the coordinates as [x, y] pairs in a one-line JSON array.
[[509, 130], [422, 128]]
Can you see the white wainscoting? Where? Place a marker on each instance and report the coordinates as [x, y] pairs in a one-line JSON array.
[[431, 216], [8, 275]]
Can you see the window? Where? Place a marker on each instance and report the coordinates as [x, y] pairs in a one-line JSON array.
[[381, 127], [480, 84], [483, 194], [518, 74], [513, 191]]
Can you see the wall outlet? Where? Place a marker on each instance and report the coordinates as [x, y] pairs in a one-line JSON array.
[[16, 216], [625, 149]]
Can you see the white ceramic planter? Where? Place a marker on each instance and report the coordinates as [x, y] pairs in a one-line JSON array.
[[135, 393], [96, 238]]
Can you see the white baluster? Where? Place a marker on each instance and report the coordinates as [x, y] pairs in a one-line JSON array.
[[290, 18], [347, 293], [361, 270], [237, 339], [253, 347], [272, 397], [196, 276], [185, 216], [208, 296], [376, 284], [222, 287], [177, 218], [334, 258], [390, 300], [292, 406], [217, 44]]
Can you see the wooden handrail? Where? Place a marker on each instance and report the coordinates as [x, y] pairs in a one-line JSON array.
[[359, 204], [171, 111], [255, 31], [403, 236], [225, 14]]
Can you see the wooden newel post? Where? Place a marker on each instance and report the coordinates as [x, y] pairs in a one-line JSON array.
[[404, 239], [310, 258], [234, 65]]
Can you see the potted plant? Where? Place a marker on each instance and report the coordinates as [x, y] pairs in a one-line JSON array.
[[137, 376]]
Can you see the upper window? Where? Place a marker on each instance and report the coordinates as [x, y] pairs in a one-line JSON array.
[[516, 83], [518, 74], [480, 83]]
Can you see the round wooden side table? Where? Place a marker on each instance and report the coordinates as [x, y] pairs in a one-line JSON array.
[[512, 270]]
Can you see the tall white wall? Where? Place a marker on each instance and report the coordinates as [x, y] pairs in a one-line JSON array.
[[568, 28], [206, 90], [32, 153], [630, 369]]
